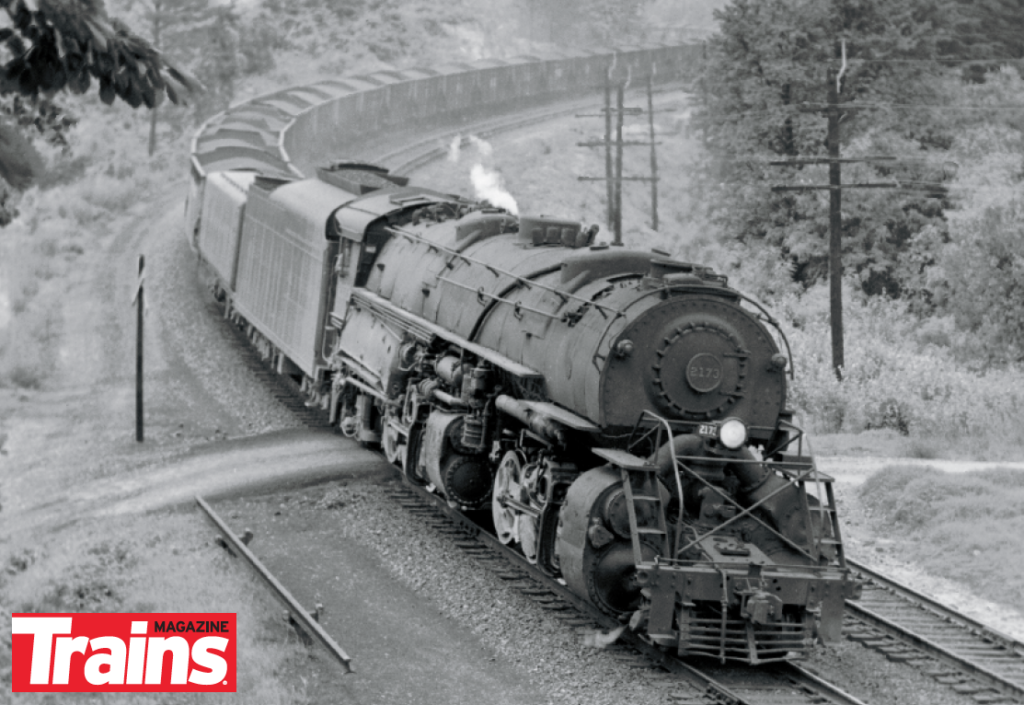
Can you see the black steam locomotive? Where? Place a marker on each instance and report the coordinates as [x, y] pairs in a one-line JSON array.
[[621, 414]]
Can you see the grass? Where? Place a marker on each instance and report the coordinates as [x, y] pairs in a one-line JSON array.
[[64, 220], [163, 562], [964, 525], [897, 377]]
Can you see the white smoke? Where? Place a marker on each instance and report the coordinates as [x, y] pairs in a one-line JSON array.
[[5, 305], [488, 186], [454, 148], [487, 182], [482, 146]]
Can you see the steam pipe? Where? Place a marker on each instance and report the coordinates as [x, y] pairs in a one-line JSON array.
[[541, 425], [448, 399]]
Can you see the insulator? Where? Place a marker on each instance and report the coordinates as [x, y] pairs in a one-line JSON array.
[[474, 432]]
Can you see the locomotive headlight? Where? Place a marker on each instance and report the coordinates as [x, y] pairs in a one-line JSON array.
[[732, 433]]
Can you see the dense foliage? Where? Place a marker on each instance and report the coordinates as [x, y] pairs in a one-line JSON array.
[[907, 94], [386, 31], [56, 45], [587, 22], [201, 36]]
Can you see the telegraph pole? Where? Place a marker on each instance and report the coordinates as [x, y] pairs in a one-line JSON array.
[[620, 107], [835, 225], [613, 176], [834, 113], [610, 186], [654, 151]]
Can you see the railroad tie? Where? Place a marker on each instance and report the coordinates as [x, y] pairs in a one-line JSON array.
[[989, 697], [515, 575]]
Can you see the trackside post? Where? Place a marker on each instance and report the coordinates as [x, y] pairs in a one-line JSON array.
[[139, 301]]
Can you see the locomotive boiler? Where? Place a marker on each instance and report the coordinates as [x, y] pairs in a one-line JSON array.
[[620, 416]]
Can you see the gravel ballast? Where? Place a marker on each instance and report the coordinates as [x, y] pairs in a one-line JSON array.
[[548, 652]]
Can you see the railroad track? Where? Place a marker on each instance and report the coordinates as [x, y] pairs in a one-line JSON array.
[[904, 625], [893, 619], [403, 157], [684, 683], [307, 624]]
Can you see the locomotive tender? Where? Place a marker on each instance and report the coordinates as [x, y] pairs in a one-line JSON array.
[[620, 415]]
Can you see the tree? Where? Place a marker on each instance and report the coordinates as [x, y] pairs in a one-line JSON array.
[[610, 21], [586, 22], [58, 44], [55, 45], [761, 97], [201, 37], [989, 29]]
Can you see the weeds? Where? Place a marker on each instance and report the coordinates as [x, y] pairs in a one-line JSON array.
[[893, 379], [967, 517], [58, 225], [160, 563]]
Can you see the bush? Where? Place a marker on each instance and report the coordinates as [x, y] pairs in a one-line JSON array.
[[30, 351], [979, 272], [895, 376], [958, 521], [108, 192]]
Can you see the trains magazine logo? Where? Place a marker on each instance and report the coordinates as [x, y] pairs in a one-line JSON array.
[[123, 652]]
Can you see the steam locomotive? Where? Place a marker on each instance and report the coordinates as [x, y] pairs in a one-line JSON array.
[[619, 415]]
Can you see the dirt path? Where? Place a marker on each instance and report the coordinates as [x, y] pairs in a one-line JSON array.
[[80, 426]]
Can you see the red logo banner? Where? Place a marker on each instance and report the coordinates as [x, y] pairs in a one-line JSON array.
[[123, 652]]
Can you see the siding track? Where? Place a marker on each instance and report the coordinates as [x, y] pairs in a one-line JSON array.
[[904, 625]]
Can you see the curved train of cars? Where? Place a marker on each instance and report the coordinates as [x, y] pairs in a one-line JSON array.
[[619, 415]]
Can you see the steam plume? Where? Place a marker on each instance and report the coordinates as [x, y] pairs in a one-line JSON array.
[[454, 148], [487, 185], [482, 146]]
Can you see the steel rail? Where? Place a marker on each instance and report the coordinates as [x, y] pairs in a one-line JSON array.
[[904, 590], [298, 613], [821, 686], [713, 690], [983, 642], [784, 684]]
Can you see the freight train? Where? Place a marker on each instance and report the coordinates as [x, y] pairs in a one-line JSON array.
[[620, 416]]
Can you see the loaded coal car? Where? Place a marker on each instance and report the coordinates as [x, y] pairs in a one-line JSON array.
[[619, 415]]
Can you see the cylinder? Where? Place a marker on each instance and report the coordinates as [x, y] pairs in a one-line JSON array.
[[540, 425], [449, 368]]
